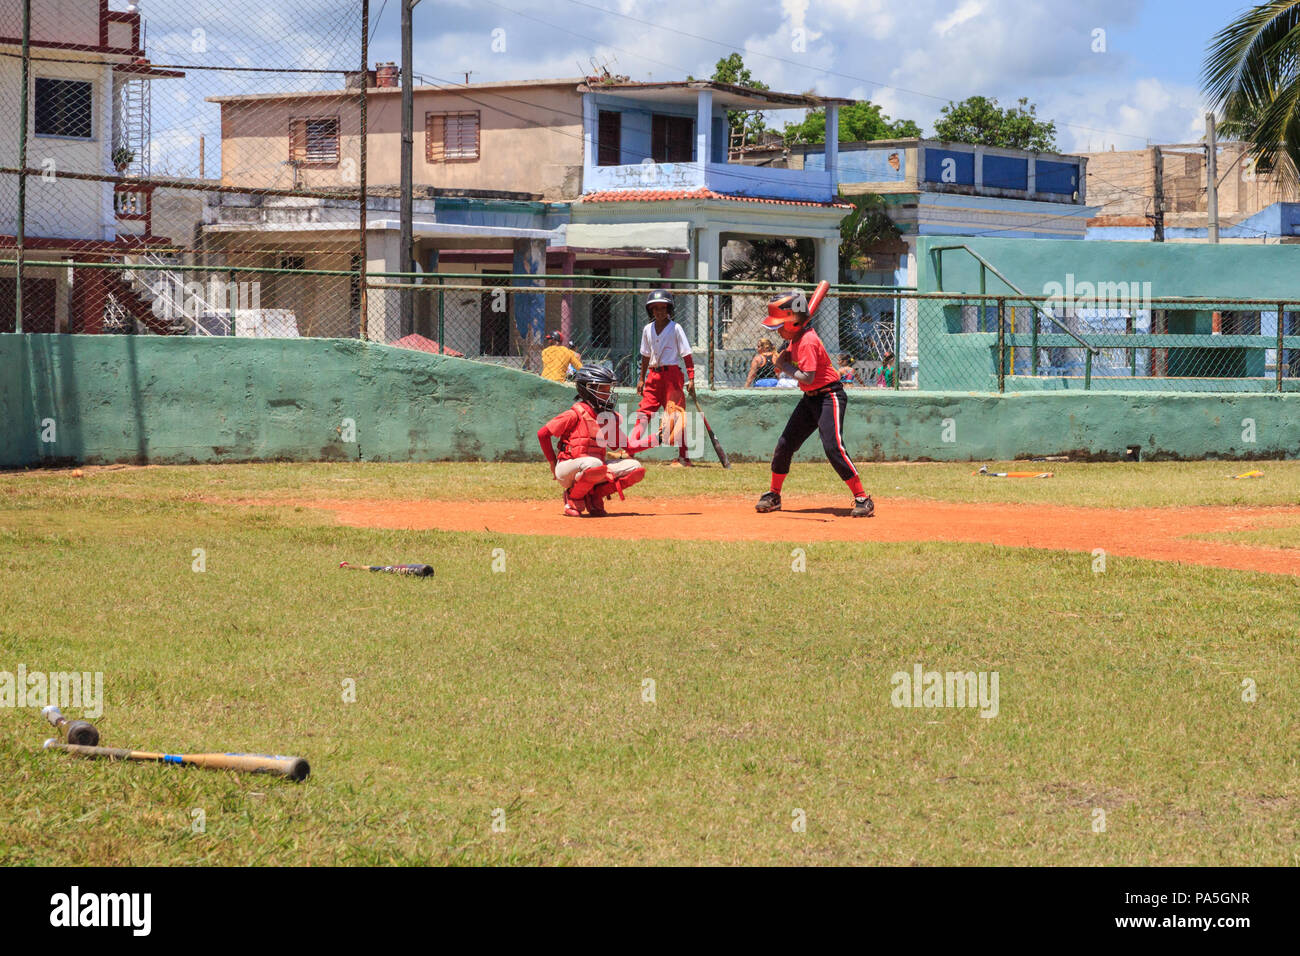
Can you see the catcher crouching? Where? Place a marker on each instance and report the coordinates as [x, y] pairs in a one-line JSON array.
[[586, 432]]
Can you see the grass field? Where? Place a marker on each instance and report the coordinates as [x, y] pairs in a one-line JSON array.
[[522, 690]]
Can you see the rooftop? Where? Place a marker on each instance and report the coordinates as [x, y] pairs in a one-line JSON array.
[[684, 91], [663, 195]]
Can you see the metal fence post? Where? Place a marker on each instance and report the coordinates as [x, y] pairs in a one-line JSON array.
[[1033, 345], [442, 317], [712, 337], [1281, 322], [1002, 345], [20, 235], [898, 339]]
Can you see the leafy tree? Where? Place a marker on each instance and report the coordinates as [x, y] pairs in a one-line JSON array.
[[865, 227], [732, 69], [1251, 75], [774, 260], [980, 121], [858, 122]]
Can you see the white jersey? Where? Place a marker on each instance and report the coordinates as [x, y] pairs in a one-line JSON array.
[[668, 347]]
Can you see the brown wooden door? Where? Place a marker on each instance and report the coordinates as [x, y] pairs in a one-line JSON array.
[[38, 305]]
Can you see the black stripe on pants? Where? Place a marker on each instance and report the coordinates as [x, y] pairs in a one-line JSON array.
[[824, 413]]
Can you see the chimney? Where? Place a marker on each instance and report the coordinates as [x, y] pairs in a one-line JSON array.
[[386, 75]]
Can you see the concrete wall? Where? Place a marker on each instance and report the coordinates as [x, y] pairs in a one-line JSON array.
[[178, 400]]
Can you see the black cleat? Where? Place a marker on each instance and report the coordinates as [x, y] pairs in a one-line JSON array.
[[770, 501], [863, 507]]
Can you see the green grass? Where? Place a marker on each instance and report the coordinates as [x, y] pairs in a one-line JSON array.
[[478, 690], [1114, 485]]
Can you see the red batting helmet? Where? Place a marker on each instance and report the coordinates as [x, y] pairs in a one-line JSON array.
[[787, 312]]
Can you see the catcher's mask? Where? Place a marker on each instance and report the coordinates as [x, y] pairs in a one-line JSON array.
[[659, 295], [787, 313], [596, 386]]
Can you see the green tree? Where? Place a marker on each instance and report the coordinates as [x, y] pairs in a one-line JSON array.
[[859, 122], [732, 69], [774, 260], [862, 230], [980, 121], [1251, 75]]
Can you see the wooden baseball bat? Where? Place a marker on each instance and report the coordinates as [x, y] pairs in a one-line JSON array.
[[717, 445], [415, 570], [80, 732], [819, 293], [295, 768]]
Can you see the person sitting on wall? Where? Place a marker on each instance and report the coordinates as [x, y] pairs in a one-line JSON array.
[[762, 368], [556, 358], [848, 374]]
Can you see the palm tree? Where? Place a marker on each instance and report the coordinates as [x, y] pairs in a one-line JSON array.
[[1252, 76], [778, 261]]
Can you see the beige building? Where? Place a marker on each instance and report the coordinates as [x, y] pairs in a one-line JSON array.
[[521, 137], [1122, 184]]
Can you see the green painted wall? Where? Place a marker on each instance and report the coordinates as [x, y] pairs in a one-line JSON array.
[[1174, 269], [950, 360], [177, 400]]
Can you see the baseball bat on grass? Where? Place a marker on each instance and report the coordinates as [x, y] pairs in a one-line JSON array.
[[295, 768], [74, 731], [415, 570]]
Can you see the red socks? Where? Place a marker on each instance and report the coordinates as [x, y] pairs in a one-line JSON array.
[[855, 486], [777, 482]]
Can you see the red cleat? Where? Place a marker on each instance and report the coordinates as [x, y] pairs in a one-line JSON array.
[[596, 505], [572, 508]]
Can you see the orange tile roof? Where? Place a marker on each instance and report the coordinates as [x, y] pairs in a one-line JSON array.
[[661, 195]]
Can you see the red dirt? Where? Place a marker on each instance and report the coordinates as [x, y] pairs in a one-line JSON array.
[[1160, 534]]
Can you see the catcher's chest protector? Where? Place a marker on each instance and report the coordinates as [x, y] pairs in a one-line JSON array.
[[583, 440]]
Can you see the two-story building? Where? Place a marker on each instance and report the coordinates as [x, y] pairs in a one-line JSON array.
[[586, 176], [87, 115]]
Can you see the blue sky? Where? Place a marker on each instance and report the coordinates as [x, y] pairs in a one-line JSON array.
[[910, 56]]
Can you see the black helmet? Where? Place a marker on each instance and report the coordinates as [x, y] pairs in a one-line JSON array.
[[659, 295], [596, 386]]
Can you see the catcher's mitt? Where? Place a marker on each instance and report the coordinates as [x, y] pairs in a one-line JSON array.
[[673, 423]]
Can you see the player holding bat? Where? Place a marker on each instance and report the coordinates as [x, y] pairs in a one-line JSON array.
[[822, 407]]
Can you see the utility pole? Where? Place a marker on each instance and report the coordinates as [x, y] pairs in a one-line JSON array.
[[406, 240], [1158, 174], [1212, 177]]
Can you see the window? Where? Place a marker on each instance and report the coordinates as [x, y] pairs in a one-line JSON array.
[[314, 141], [295, 263], [672, 139], [609, 139], [451, 137], [64, 108]]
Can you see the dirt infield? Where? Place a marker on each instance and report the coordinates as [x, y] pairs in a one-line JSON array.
[[1160, 534]]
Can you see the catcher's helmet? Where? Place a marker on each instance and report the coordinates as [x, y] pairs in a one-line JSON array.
[[659, 295], [596, 386], [787, 312]]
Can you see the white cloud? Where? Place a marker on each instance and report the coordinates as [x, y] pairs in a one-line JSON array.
[[967, 11]]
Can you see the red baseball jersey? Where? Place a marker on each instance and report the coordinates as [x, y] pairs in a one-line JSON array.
[[810, 355]]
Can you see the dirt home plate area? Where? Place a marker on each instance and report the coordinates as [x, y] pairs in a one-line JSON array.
[[1160, 534]]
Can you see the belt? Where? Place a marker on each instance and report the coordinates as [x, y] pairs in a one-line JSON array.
[[825, 390]]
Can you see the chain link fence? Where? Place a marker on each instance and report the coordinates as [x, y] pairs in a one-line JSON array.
[[152, 164], [201, 172]]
